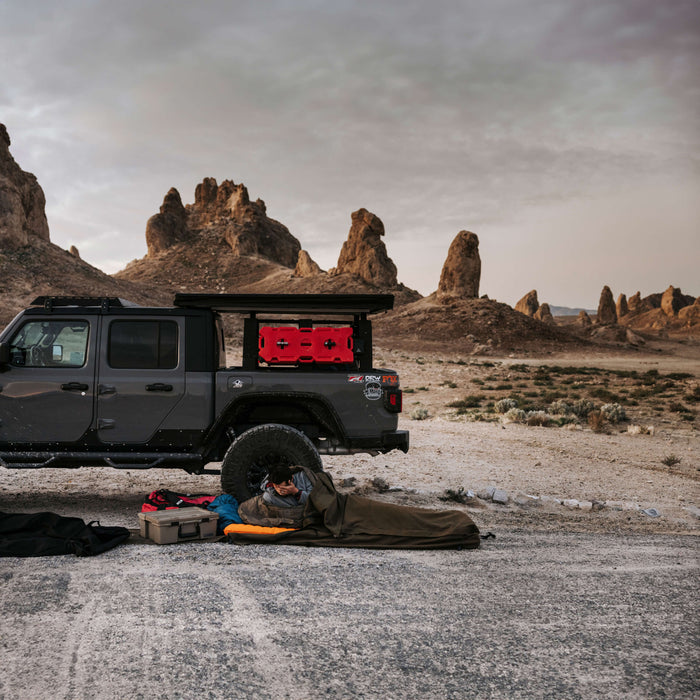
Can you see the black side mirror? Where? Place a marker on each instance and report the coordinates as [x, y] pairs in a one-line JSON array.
[[4, 354]]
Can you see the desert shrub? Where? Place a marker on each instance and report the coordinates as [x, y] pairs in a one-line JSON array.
[[676, 407], [471, 401], [537, 418], [680, 375], [640, 429], [504, 405], [419, 413], [597, 422], [563, 421], [694, 395], [671, 460], [449, 384], [422, 388], [582, 408], [604, 394], [504, 387], [409, 391], [613, 412], [514, 415], [559, 408], [458, 496], [688, 416]]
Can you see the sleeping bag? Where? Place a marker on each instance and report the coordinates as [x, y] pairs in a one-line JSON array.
[[332, 519]]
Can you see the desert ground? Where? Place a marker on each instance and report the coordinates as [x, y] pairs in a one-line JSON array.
[[588, 589], [461, 444]]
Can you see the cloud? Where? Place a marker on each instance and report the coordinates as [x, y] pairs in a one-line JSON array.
[[441, 117]]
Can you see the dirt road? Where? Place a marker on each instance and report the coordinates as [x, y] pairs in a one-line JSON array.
[[528, 615]]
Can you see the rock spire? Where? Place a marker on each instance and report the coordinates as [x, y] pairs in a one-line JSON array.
[[461, 272]]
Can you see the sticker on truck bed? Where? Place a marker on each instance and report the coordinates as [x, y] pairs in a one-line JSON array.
[[373, 391], [356, 378]]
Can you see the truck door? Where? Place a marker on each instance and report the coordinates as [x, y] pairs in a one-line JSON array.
[[47, 389], [141, 376]]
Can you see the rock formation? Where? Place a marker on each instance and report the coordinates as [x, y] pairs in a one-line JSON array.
[[364, 253], [690, 315], [22, 201], [461, 272], [74, 251], [528, 305], [672, 301], [169, 227], [226, 213], [584, 319], [306, 267], [621, 306], [607, 313], [634, 303], [544, 314]]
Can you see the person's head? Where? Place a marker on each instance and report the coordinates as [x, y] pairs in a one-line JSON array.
[[280, 474]]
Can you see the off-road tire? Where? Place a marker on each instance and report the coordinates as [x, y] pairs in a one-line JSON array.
[[250, 456]]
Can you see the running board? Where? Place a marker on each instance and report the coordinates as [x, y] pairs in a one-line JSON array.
[[117, 460]]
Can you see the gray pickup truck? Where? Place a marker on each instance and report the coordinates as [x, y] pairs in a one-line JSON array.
[[100, 381]]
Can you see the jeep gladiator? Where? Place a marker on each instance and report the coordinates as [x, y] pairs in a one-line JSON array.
[[100, 381]]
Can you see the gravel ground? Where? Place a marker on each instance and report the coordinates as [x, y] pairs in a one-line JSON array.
[[528, 615], [563, 603]]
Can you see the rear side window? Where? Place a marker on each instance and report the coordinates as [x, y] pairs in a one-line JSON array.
[[143, 345]]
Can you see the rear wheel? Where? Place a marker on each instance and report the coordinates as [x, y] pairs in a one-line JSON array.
[[251, 455]]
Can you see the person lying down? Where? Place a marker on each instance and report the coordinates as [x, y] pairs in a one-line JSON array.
[[282, 502], [307, 510]]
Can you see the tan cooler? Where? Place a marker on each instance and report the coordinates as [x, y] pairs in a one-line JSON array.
[[178, 525]]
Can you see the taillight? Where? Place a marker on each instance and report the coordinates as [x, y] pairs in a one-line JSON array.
[[393, 400]]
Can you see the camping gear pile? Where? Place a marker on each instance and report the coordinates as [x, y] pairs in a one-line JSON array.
[[327, 519]]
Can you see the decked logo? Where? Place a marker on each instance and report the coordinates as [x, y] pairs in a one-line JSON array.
[[373, 391], [356, 378]]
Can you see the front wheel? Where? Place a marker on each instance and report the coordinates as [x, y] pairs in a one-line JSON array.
[[251, 456]]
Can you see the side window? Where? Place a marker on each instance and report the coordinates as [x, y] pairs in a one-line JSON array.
[[143, 345], [50, 344]]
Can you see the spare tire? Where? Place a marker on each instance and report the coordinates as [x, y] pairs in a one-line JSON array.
[[251, 455]]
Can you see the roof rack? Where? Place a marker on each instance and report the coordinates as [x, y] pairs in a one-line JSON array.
[[332, 304], [105, 303]]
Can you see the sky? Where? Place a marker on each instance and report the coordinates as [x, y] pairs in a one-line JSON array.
[[564, 133]]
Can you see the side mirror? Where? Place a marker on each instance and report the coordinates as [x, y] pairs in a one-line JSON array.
[[4, 354]]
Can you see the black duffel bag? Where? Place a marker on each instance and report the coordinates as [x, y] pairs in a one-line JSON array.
[[45, 534]]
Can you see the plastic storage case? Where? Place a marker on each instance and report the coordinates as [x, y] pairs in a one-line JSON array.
[[178, 525]]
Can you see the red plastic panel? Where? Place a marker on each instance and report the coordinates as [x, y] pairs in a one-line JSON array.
[[279, 345], [333, 345], [290, 345]]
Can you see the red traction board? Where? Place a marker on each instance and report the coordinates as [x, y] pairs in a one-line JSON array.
[[290, 345]]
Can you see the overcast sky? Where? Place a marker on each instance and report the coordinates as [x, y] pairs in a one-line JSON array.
[[564, 133]]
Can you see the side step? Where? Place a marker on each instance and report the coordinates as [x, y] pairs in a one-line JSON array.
[[117, 460]]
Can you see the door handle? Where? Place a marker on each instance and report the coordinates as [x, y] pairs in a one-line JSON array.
[[103, 389], [159, 387], [74, 386]]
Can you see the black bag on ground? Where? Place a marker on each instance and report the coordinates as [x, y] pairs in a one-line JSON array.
[[45, 534]]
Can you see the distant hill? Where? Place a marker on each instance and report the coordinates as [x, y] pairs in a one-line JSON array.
[[568, 311]]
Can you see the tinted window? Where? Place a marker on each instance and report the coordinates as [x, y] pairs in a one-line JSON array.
[[143, 344], [50, 344]]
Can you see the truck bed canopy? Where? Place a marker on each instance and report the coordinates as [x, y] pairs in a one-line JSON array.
[[332, 304]]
